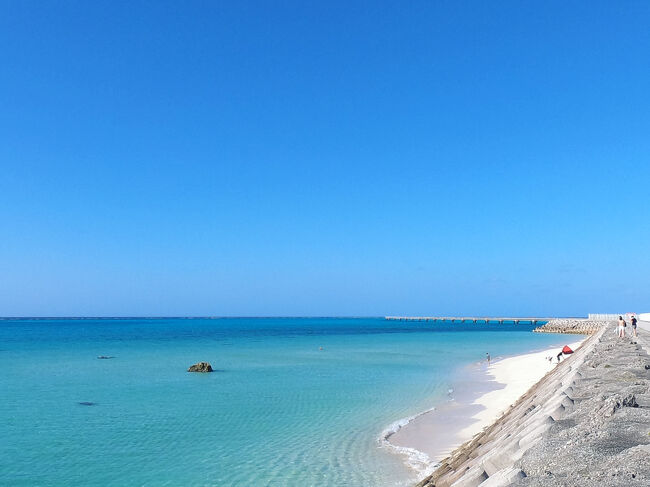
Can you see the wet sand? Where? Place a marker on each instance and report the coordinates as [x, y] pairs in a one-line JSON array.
[[436, 432], [481, 394]]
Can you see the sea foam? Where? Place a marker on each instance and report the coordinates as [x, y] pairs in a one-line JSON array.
[[414, 459]]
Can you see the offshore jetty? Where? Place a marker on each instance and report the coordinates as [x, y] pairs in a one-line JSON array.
[[470, 319], [586, 423]]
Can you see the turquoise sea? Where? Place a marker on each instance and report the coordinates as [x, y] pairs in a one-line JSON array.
[[278, 411]]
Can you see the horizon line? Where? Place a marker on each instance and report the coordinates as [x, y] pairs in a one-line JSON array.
[[215, 317], [187, 317]]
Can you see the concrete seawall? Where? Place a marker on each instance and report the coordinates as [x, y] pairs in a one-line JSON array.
[[587, 423]]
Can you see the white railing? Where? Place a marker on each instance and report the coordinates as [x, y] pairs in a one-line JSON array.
[[605, 316]]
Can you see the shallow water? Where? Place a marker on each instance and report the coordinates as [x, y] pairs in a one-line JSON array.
[[277, 411]]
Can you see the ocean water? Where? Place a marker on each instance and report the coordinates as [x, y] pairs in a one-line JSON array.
[[278, 411]]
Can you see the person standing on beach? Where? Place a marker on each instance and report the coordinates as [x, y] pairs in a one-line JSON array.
[[633, 320], [488, 357], [621, 327]]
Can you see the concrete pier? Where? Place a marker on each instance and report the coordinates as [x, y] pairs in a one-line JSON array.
[[472, 319]]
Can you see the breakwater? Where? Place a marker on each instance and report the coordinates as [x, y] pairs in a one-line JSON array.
[[587, 423], [572, 326]]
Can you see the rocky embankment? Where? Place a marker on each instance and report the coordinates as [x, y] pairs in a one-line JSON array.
[[572, 326], [586, 423]]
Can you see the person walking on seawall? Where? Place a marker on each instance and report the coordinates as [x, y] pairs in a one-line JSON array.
[[633, 321], [621, 327]]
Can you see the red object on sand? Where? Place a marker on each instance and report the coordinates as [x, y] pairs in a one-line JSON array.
[[566, 350]]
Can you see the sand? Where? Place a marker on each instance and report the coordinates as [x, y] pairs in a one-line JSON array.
[[518, 374], [489, 393], [585, 423]]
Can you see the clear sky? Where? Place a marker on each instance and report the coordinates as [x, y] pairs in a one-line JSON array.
[[347, 158]]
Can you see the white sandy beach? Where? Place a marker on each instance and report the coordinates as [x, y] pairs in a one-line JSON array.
[[518, 374], [440, 431]]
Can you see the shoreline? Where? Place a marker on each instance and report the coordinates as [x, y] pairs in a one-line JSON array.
[[480, 395], [414, 459], [585, 423]]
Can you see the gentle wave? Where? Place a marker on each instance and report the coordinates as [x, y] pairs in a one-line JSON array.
[[414, 459]]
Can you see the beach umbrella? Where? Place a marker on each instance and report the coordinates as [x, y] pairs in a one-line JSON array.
[[566, 350]]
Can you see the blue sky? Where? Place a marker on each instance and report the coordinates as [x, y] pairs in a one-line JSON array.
[[352, 158]]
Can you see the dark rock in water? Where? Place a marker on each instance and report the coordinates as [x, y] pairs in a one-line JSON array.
[[105, 357], [200, 367], [88, 403]]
